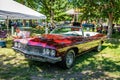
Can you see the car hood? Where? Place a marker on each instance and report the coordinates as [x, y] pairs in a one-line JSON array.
[[52, 41]]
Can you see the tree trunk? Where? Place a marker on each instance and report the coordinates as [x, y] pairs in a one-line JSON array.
[[52, 18], [110, 25], [52, 14]]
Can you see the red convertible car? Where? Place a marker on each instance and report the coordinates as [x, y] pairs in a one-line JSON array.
[[62, 45]]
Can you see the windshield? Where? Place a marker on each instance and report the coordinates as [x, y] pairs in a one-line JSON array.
[[61, 30], [68, 31]]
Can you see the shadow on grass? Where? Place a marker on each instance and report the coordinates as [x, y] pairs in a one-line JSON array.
[[114, 41], [87, 67], [96, 67], [15, 69], [103, 47]]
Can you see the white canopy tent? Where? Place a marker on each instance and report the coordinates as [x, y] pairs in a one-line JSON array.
[[13, 10], [73, 12], [10, 9]]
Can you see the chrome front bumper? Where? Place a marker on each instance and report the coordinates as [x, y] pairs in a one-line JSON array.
[[39, 57]]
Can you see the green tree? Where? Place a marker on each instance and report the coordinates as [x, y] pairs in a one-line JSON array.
[[87, 7], [100, 8], [28, 3], [110, 9], [53, 9]]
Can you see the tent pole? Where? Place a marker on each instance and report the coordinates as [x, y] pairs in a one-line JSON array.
[[46, 27], [7, 25], [12, 30]]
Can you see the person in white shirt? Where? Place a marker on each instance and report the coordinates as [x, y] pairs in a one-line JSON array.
[[19, 34]]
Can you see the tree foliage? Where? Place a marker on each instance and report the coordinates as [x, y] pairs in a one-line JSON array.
[[110, 9], [28, 3], [53, 9], [100, 8]]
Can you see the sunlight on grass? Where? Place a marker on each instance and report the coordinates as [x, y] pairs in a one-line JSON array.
[[11, 64], [92, 65], [107, 61]]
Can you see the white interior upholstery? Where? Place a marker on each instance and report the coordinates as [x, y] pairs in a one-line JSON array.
[[87, 34]]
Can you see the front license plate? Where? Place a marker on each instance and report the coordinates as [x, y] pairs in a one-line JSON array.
[[34, 57]]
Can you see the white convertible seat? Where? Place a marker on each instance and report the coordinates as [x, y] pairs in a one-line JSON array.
[[87, 34]]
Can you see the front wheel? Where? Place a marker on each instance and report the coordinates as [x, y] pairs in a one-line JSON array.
[[68, 59]]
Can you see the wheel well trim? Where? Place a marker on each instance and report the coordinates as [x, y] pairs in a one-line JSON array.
[[75, 50]]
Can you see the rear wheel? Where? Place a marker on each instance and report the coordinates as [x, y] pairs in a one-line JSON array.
[[68, 59], [99, 48]]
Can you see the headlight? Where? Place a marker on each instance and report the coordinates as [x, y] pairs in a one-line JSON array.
[[49, 52], [19, 45], [44, 51], [15, 44], [52, 53]]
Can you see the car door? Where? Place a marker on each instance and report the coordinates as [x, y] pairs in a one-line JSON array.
[[87, 43]]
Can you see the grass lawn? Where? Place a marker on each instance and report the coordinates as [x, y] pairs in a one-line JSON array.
[[104, 65]]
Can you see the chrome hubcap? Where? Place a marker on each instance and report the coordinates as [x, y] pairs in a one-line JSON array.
[[69, 59]]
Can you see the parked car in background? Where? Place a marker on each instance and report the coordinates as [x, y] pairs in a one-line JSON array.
[[62, 45]]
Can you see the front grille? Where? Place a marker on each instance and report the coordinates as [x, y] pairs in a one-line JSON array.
[[23, 46], [35, 50]]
